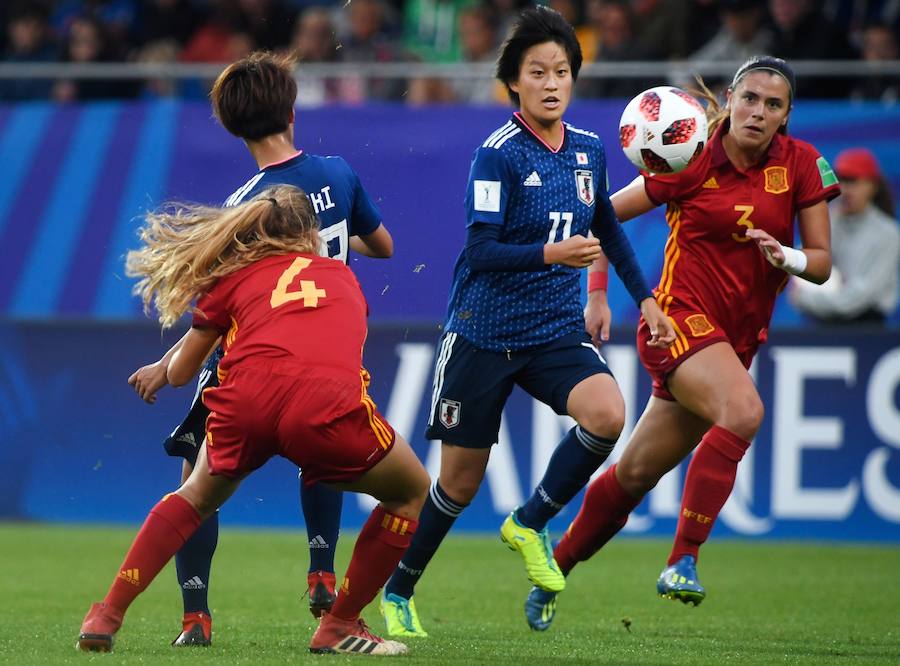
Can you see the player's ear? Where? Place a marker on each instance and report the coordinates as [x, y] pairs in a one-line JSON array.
[[291, 120], [514, 86]]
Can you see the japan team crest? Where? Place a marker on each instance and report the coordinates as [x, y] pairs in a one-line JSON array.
[[449, 412], [776, 180], [584, 182]]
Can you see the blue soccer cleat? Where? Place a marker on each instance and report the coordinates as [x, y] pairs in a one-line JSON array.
[[679, 582], [540, 608]]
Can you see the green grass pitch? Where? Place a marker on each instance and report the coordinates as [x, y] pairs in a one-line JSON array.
[[768, 603]]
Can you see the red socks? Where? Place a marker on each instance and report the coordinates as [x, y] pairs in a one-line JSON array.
[[709, 480], [380, 545], [170, 523], [603, 513]]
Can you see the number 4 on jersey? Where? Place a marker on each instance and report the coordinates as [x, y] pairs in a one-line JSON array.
[[308, 292]]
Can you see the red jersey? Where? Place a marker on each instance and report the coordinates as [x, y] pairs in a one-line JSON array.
[[710, 266], [301, 309]]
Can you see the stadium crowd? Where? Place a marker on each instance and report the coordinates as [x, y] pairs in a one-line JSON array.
[[433, 31]]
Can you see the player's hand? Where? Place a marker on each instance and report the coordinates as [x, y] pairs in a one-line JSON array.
[[576, 251], [597, 317], [662, 333], [148, 380], [771, 248]]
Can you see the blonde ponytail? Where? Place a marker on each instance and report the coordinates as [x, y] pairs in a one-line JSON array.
[[188, 247]]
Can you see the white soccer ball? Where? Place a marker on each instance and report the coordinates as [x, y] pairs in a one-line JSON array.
[[663, 129]]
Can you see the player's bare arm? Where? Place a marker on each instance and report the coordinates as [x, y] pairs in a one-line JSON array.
[[379, 244], [814, 258], [631, 200], [148, 379], [196, 345]]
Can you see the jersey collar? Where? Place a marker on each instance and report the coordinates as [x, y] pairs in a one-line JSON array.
[[719, 156], [293, 160], [520, 121]]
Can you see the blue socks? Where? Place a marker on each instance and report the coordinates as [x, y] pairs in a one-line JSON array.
[[578, 455], [321, 506], [192, 564], [436, 519]]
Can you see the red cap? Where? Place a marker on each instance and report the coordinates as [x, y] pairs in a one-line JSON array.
[[856, 163]]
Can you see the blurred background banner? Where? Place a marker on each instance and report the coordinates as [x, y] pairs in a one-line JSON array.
[[76, 178], [76, 444]]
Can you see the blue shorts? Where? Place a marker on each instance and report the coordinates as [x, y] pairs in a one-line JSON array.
[[186, 440], [471, 385]]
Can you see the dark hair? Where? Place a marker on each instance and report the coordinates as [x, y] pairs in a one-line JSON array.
[[534, 26], [254, 97]]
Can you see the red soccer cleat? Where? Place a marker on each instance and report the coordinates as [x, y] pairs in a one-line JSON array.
[[321, 591], [98, 628], [335, 635], [196, 630]]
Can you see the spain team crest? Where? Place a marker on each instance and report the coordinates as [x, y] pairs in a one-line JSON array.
[[776, 180], [584, 181], [699, 325], [449, 413]]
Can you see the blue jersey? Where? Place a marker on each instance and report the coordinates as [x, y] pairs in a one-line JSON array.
[[535, 195], [342, 205]]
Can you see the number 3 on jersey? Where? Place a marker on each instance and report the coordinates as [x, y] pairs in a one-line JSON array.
[[743, 221], [555, 219], [308, 292]]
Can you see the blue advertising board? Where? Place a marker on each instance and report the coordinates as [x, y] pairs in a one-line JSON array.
[[76, 444]]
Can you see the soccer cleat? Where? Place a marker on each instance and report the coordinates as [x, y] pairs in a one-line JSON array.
[[321, 591], [98, 628], [401, 617], [196, 630], [335, 635], [679, 581], [534, 546], [540, 609]]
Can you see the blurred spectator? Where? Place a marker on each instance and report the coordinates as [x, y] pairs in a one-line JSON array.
[[702, 22], [574, 12], [28, 40], [614, 22], [802, 32], [431, 28], [478, 31], [878, 43], [369, 38], [167, 20], [315, 41], [661, 28], [742, 34], [268, 22], [117, 17], [160, 52], [88, 41], [221, 38], [865, 247]]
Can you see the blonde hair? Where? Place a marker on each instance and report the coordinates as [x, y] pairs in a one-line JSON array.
[[188, 247]]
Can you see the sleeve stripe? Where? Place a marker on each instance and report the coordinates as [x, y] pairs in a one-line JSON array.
[[496, 133], [507, 138]]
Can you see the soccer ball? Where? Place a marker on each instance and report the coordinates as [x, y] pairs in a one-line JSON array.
[[662, 130]]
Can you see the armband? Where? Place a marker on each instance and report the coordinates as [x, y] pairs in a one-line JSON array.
[[598, 280]]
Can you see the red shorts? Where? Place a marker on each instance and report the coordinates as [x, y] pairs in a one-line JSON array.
[[693, 332], [322, 421]]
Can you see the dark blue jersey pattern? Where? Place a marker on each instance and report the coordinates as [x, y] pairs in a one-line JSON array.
[[342, 205], [532, 195]]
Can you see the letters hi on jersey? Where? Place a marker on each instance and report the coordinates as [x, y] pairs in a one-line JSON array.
[[343, 206]]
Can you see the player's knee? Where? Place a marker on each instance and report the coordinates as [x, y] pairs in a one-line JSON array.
[[637, 477], [743, 415], [604, 420], [462, 486]]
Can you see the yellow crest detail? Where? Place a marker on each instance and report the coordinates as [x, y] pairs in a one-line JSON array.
[[699, 325], [776, 179]]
